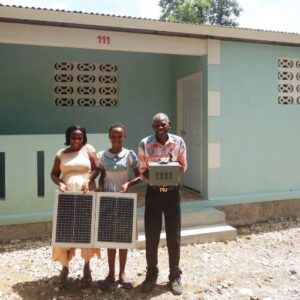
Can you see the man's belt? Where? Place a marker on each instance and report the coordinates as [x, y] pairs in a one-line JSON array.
[[163, 188]]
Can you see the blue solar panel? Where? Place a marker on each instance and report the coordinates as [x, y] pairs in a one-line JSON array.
[[94, 220], [74, 218], [115, 219]]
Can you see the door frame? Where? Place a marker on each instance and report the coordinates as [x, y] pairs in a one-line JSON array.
[[180, 115]]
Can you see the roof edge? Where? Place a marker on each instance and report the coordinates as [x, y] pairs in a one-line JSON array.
[[60, 18]]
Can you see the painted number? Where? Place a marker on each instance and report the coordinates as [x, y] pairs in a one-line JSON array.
[[103, 39]]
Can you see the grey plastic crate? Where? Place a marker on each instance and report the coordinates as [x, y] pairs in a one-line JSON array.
[[164, 174]]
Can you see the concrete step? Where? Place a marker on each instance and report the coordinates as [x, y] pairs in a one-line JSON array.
[[192, 215], [197, 234]]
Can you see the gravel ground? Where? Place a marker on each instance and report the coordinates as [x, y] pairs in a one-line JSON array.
[[263, 263]]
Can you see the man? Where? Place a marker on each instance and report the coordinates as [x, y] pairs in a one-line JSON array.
[[159, 147]]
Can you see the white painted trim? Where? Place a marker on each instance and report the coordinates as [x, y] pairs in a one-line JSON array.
[[214, 104], [128, 23], [87, 39], [213, 52], [214, 155]]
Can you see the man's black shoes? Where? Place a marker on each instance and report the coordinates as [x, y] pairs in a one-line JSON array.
[[176, 286], [149, 283]]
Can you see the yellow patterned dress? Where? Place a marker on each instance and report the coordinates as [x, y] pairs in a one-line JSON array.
[[75, 168]]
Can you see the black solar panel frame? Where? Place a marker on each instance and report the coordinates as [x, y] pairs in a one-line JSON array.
[[76, 239], [113, 228]]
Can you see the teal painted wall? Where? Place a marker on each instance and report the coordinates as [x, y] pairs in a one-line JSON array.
[[185, 65], [30, 121], [258, 137], [26, 94], [21, 203]]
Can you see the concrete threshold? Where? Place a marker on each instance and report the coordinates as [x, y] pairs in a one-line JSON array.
[[197, 234]]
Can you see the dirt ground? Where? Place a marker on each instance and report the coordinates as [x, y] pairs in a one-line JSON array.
[[263, 263]]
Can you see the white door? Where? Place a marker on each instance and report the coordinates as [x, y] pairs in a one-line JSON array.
[[190, 126]]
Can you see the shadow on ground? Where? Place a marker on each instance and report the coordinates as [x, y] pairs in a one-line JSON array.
[[46, 289]]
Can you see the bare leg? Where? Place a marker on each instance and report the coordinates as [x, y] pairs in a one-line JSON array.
[[122, 259], [110, 278], [111, 256], [122, 276]]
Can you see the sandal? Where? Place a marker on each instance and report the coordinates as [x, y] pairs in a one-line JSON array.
[[106, 283], [86, 280], [63, 275], [127, 285]]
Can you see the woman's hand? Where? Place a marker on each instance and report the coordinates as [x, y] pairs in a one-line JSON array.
[[124, 187], [85, 187], [62, 187]]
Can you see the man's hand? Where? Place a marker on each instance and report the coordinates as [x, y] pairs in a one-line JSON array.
[[164, 160], [146, 174]]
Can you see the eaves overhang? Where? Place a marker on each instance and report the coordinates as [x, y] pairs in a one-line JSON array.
[[67, 19]]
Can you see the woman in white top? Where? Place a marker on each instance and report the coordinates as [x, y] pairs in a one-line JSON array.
[[115, 164], [75, 169]]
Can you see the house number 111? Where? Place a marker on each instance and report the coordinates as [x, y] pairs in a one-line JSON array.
[[103, 39]]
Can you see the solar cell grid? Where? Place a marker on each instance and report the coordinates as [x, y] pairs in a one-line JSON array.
[[94, 220], [115, 219], [74, 217]]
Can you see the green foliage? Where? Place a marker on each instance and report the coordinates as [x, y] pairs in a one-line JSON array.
[[220, 12], [224, 12], [192, 11]]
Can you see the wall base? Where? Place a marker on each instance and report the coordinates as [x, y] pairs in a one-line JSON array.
[[25, 231], [243, 214], [236, 214]]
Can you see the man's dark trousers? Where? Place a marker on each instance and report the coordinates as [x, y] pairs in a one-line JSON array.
[[159, 202]]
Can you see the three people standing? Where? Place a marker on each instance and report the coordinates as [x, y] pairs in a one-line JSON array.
[[115, 164]]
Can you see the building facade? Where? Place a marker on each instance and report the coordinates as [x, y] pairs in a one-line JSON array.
[[233, 94]]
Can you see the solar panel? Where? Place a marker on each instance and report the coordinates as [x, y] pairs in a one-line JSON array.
[[73, 219], [116, 220], [94, 220]]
